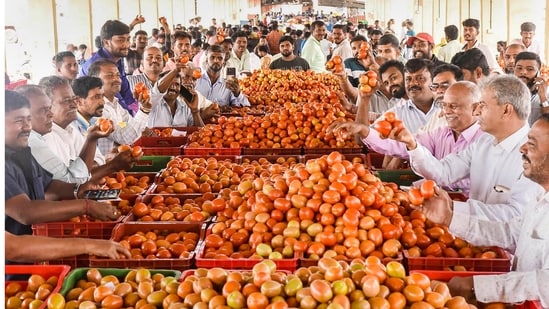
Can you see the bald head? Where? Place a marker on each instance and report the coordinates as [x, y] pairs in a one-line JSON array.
[[153, 61], [458, 104]]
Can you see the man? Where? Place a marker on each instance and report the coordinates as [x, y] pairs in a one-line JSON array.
[[127, 129], [273, 37], [226, 92], [154, 36], [66, 65], [342, 45], [135, 56], [527, 33], [181, 47], [462, 130], [65, 140], [289, 61], [312, 52], [152, 64], [525, 236], [374, 37], [388, 48], [493, 162], [452, 47], [473, 65], [169, 109], [240, 57], [115, 39], [422, 47], [471, 29], [527, 68], [31, 194], [509, 56], [354, 67]]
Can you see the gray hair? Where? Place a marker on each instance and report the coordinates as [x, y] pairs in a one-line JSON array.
[[509, 89]]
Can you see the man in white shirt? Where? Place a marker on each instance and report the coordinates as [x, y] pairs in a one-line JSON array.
[[526, 236], [342, 46], [498, 192], [240, 56], [527, 33], [65, 140], [312, 51], [127, 129], [471, 29], [446, 52]]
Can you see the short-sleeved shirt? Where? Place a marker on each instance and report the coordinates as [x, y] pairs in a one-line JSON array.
[[294, 64], [23, 176]]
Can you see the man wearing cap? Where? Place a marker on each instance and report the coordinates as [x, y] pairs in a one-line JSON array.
[[422, 47]]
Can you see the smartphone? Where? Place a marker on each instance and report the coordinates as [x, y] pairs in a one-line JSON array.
[[110, 194], [230, 71], [186, 94]]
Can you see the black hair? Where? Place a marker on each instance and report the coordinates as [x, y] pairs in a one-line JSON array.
[[376, 31], [113, 27], [451, 31], [391, 64], [526, 55], [59, 57], [416, 64], [471, 22], [140, 32], [177, 35], [389, 39], [448, 67], [317, 23], [82, 85], [14, 101], [239, 34], [286, 38], [359, 38], [471, 59]]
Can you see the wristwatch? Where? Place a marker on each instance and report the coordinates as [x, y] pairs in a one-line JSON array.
[[544, 104], [75, 190]]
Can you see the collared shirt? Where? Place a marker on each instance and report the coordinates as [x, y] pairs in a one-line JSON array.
[[241, 64], [312, 52], [67, 143], [134, 79], [446, 52], [534, 47], [75, 172], [161, 114], [343, 49], [218, 92], [439, 143], [412, 117], [125, 96], [494, 169], [133, 61], [527, 236], [82, 124], [490, 58], [127, 129], [353, 69], [23, 175]]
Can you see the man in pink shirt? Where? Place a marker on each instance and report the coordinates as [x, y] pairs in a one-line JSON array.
[[457, 105]]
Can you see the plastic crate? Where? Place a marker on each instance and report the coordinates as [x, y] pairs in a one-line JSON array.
[[129, 196], [307, 150], [474, 264], [347, 156], [80, 273], [305, 262], [162, 151], [212, 151], [270, 158], [82, 260], [272, 151], [404, 177], [45, 271], [530, 305], [232, 158], [242, 264], [125, 229], [446, 275], [150, 164]]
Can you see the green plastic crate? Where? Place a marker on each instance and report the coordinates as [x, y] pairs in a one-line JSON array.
[[151, 164], [402, 177], [72, 278]]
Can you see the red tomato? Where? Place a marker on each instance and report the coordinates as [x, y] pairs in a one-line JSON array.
[[415, 196], [383, 127], [427, 188]]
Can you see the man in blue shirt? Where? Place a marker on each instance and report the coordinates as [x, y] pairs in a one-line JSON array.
[[115, 36], [224, 91]]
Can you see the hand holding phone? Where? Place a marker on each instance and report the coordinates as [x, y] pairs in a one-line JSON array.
[[230, 71], [110, 194]]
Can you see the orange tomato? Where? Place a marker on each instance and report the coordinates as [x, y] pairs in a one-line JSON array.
[[415, 197], [427, 188], [383, 127], [123, 148]]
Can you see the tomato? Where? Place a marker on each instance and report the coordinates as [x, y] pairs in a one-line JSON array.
[[415, 196], [427, 188], [390, 116], [123, 148], [383, 127], [184, 59], [256, 300], [197, 73]]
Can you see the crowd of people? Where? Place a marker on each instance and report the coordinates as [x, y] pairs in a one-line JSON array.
[[469, 123]]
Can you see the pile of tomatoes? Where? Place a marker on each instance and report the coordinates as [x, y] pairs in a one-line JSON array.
[[172, 208]]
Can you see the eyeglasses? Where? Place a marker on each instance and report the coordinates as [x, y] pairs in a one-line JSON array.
[[442, 86]]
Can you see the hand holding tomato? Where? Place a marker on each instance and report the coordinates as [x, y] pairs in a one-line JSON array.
[[345, 129], [106, 248], [463, 286], [439, 208], [102, 128], [123, 160]]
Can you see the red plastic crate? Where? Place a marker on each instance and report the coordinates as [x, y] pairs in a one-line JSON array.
[[305, 262], [446, 275], [473, 264], [347, 156], [125, 229], [157, 141], [162, 151], [269, 158], [272, 151], [530, 304], [45, 271], [211, 151], [232, 158], [307, 150], [243, 264]]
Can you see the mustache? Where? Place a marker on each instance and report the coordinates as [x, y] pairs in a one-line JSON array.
[[415, 88], [525, 158]]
